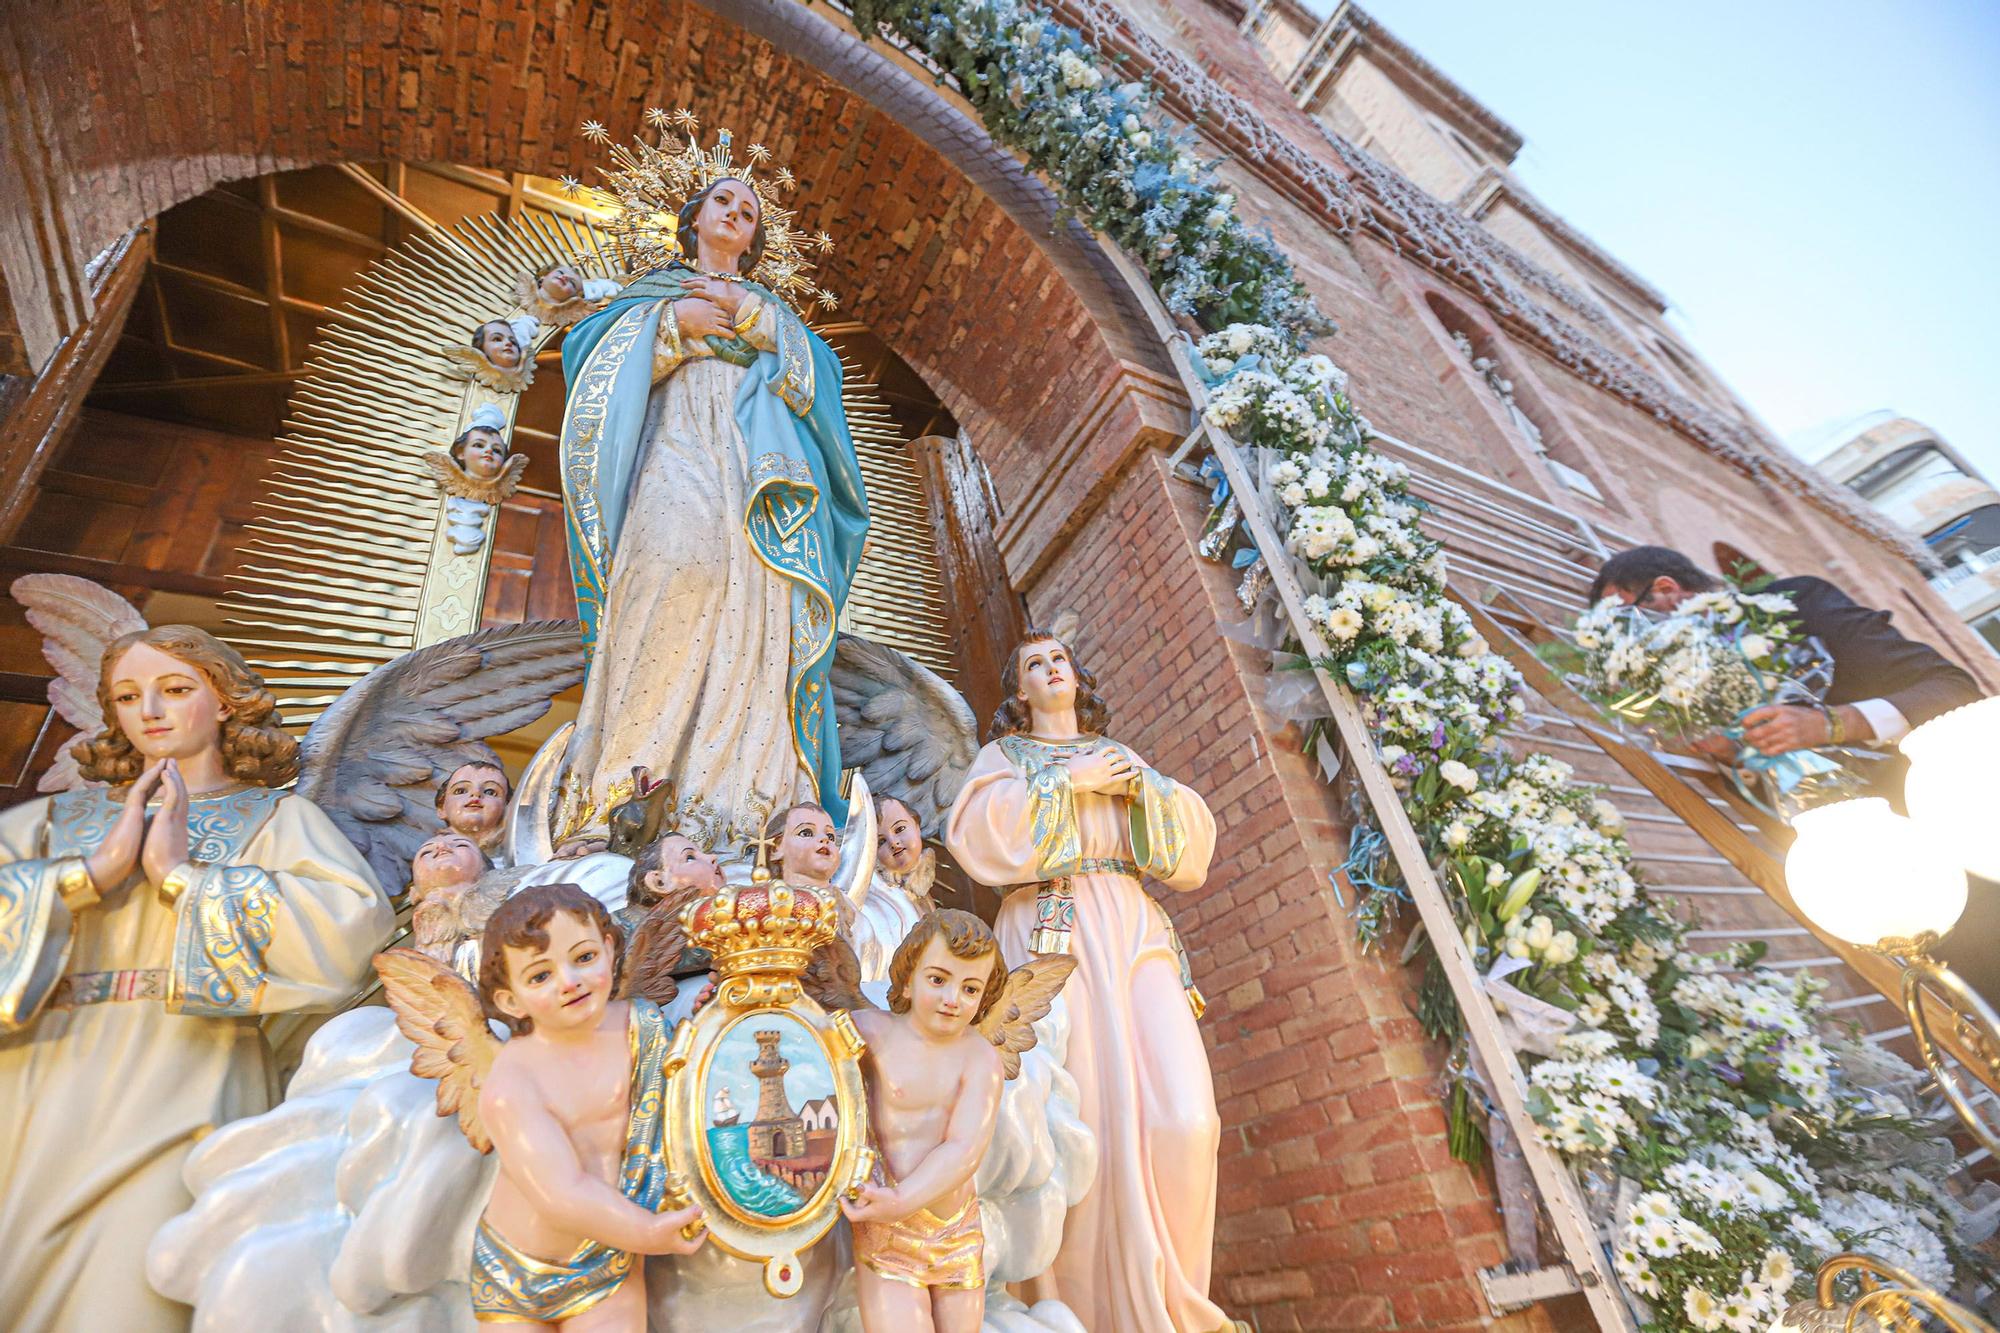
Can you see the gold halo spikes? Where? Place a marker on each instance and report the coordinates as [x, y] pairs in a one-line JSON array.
[[646, 184]]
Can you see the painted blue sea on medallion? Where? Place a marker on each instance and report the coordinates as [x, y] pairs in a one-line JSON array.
[[747, 1183], [770, 1065]]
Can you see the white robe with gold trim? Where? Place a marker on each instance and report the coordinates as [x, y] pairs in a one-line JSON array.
[[101, 1102]]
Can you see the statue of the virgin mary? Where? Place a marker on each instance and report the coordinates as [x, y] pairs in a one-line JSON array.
[[715, 506]]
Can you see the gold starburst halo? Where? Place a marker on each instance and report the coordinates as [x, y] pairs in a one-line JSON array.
[[645, 185]]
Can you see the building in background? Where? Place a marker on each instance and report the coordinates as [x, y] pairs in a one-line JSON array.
[[1902, 468], [1361, 82]]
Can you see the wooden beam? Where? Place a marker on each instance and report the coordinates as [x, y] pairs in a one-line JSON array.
[[26, 560], [203, 383], [37, 420], [406, 210], [17, 687], [986, 613]]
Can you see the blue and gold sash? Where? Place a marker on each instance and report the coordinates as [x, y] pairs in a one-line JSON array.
[[508, 1285]]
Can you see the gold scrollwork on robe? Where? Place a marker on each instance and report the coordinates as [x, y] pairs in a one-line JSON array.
[[219, 942]]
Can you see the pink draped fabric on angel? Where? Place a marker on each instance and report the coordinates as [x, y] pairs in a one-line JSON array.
[[1136, 1251]]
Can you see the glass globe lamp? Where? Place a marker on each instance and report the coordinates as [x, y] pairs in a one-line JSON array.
[[1864, 873], [1950, 791]]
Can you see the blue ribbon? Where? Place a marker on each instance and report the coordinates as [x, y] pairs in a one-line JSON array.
[[1366, 848]]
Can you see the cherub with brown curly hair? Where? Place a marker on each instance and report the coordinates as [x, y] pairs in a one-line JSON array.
[[955, 1029], [159, 919]]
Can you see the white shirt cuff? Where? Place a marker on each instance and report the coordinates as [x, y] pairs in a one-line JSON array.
[[1885, 719]]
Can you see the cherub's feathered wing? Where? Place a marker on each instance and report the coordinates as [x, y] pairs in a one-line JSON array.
[[911, 735], [1029, 991], [437, 1010], [374, 759], [655, 950], [77, 620], [833, 977]]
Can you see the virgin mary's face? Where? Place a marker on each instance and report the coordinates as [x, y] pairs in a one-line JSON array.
[[166, 708], [726, 223], [498, 344]]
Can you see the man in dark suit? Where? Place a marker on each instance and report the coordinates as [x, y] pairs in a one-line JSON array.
[[1883, 683]]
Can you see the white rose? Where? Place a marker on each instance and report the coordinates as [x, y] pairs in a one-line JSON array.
[[1142, 140], [1756, 647], [1458, 775], [1456, 834], [1239, 338]]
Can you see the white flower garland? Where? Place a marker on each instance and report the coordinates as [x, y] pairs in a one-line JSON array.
[[1676, 1068]]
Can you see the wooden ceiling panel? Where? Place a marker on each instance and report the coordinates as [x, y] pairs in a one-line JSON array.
[[234, 303], [328, 194], [216, 234], [207, 322], [452, 199], [316, 267]]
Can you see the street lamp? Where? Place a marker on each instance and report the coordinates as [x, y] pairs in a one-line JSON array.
[[1865, 874], [1950, 788]]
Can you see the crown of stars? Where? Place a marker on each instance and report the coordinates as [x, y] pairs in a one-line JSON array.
[[646, 184]]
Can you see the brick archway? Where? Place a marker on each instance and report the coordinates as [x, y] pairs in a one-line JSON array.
[[948, 247]]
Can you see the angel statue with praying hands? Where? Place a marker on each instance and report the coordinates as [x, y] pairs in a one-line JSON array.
[[148, 920], [1074, 818], [716, 510]]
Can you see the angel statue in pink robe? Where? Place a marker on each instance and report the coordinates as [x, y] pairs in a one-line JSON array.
[[1075, 818]]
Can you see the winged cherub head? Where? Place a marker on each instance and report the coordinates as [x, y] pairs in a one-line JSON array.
[[173, 692], [559, 284], [549, 960], [473, 800], [481, 451], [496, 341], [899, 836], [807, 844], [669, 868], [947, 972], [448, 860], [1043, 674]]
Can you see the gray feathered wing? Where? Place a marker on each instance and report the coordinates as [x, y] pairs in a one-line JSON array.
[[374, 759], [77, 620], [911, 735]]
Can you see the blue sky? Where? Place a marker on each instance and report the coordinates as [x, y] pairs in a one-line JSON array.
[[1816, 187]]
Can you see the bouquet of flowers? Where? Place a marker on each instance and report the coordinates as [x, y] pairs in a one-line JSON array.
[[1698, 670]]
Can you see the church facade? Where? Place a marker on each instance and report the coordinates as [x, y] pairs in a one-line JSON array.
[[193, 196]]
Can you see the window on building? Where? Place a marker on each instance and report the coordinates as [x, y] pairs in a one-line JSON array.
[[1968, 545], [1558, 453], [1911, 468], [1988, 626]]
